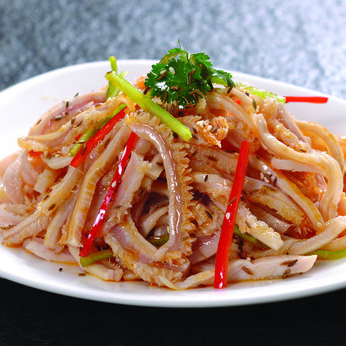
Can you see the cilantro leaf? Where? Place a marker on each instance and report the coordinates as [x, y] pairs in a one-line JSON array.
[[184, 77]]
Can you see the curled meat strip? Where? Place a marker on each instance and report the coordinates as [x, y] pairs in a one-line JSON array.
[[327, 164], [174, 166]]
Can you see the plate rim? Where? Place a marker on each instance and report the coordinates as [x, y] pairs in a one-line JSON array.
[[219, 299], [51, 73]]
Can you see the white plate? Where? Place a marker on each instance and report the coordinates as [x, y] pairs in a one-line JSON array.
[[22, 104]]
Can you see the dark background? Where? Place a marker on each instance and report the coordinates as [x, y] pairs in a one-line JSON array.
[[299, 42]]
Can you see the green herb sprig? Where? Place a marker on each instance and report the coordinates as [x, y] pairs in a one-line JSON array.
[[184, 77]]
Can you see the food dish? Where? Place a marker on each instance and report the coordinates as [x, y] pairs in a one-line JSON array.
[[37, 88]]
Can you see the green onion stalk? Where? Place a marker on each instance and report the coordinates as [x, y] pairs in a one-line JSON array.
[[248, 237], [95, 257], [261, 92], [113, 90], [148, 105], [89, 133], [329, 255]]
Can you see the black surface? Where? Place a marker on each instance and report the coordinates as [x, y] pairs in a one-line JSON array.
[[33, 317], [300, 42]]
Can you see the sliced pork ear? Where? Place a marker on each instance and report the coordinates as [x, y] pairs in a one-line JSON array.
[[28, 228], [64, 136], [13, 183], [211, 160], [66, 110], [290, 189], [331, 231], [6, 162], [13, 214], [221, 101], [318, 134], [129, 190], [204, 247], [100, 270], [326, 163], [58, 254], [97, 170], [139, 256], [275, 267], [40, 219], [20, 173]]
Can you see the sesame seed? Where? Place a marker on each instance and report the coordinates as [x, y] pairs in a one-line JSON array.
[[209, 214], [247, 270], [286, 273], [162, 75], [215, 129], [232, 200], [51, 207]]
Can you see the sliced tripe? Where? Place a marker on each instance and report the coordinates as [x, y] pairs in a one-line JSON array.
[[248, 223], [275, 267]]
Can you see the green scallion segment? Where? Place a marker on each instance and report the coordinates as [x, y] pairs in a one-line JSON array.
[[159, 241], [261, 92], [92, 130], [113, 90], [116, 111], [113, 61], [148, 105], [82, 140], [95, 257], [248, 238], [329, 255]]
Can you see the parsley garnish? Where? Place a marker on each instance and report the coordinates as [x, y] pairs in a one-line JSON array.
[[184, 77]]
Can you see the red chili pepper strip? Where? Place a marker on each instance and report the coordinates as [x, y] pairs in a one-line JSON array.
[[227, 146], [309, 99], [225, 241], [109, 195], [93, 141], [35, 154]]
